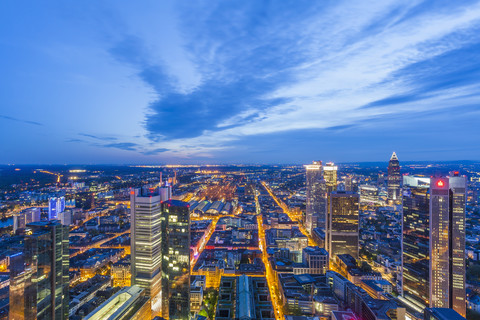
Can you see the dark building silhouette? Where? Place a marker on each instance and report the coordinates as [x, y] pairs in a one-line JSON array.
[[39, 285], [176, 259], [341, 232]]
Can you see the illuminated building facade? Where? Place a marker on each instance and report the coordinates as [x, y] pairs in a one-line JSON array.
[[433, 242], [55, 206], [415, 239], [330, 175], [146, 242], [341, 232], [176, 260], [394, 178], [316, 197], [121, 273], [351, 184], [458, 193], [25, 217], [368, 194], [39, 287]]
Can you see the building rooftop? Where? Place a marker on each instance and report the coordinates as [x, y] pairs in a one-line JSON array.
[[443, 314], [315, 250], [117, 305], [343, 315], [177, 203]]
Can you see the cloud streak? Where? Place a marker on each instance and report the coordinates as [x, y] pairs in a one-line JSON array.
[[35, 123], [269, 70], [247, 69]]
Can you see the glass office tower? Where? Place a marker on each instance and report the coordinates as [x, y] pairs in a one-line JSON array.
[[458, 194], [330, 175], [316, 197], [415, 240], [176, 260], [433, 242], [146, 242], [39, 287], [341, 232]]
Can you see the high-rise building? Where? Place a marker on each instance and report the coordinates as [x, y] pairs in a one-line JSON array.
[[316, 259], [316, 197], [176, 260], [18, 222], [351, 184], [433, 242], [146, 242], [32, 215], [39, 281], [55, 206], [368, 194], [66, 217], [25, 217], [341, 232], [457, 276], [381, 180], [394, 178], [330, 175]]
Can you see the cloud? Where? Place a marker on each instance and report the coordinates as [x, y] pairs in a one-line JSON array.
[[305, 65], [128, 146], [97, 137], [155, 151], [20, 120]]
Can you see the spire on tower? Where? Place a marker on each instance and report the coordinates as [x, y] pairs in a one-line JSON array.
[[394, 156]]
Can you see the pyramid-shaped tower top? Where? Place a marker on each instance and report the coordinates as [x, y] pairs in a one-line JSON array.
[[394, 156]]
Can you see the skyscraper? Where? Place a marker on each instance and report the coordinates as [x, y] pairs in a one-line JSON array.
[[394, 177], [341, 232], [458, 194], [351, 184], [316, 197], [146, 242], [55, 206], [415, 239], [39, 287], [176, 260], [433, 241], [330, 175]]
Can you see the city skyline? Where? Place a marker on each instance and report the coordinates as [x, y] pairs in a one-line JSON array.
[[238, 82], [223, 242]]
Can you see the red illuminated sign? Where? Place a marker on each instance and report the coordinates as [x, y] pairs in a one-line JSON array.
[[440, 183]]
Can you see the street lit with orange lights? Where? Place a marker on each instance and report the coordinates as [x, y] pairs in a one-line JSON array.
[[291, 214], [272, 282], [203, 242], [52, 173], [98, 244]]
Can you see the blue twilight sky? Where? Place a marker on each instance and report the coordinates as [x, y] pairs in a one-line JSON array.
[[237, 81]]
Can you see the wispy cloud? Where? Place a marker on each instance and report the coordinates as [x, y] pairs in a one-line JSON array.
[[20, 120], [129, 146], [302, 65], [101, 141], [102, 138], [154, 151]]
